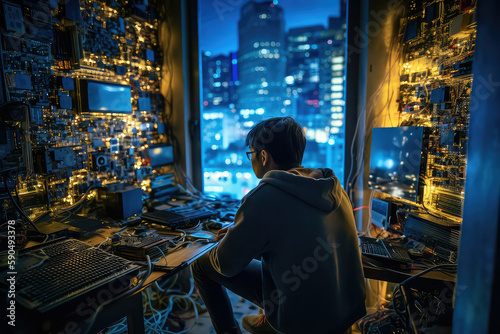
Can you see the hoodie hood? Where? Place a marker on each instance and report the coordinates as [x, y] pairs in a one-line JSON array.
[[319, 188]]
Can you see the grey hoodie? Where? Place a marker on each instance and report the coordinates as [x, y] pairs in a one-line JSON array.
[[301, 225]]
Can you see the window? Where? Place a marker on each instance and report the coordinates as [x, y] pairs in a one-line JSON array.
[[267, 59]]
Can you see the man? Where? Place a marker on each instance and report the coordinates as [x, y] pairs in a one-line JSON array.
[[293, 250]]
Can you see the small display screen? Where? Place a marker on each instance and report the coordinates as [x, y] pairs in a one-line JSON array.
[[161, 155], [395, 161], [107, 98]]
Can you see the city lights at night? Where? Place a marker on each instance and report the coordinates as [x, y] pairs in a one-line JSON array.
[[281, 59]]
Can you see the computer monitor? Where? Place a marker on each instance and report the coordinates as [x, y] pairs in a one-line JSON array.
[[397, 160], [160, 155], [104, 97], [380, 213]]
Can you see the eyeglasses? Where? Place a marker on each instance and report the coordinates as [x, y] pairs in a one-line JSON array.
[[249, 154]]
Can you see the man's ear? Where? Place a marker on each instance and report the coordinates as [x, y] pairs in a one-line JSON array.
[[264, 157]]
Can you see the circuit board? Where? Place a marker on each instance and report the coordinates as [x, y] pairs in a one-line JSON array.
[[435, 88], [58, 149]]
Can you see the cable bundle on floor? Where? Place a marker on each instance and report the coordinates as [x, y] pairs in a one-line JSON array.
[[160, 303]]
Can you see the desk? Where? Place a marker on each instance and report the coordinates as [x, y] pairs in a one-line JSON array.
[[68, 319], [428, 281]]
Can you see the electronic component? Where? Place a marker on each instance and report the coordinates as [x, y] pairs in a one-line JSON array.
[[412, 29], [65, 102], [53, 229], [98, 161], [14, 111], [149, 55], [382, 213], [66, 83], [120, 201], [163, 186], [65, 270], [137, 247], [144, 104], [72, 10], [458, 27], [178, 217], [440, 95], [19, 81], [58, 159], [432, 12], [13, 18], [441, 236], [32, 199]]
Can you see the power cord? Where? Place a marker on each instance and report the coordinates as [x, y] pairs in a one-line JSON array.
[[404, 311], [16, 205]]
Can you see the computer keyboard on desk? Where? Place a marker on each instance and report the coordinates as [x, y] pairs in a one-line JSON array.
[[383, 250], [178, 217]]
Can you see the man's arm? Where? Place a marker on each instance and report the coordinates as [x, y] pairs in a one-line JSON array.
[[246, 240]]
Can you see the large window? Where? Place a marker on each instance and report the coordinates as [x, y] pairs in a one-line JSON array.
[[266, 59]]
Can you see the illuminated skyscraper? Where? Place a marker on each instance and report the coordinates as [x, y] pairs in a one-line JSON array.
[[303, 74], [261, 59], [219, 80], [303, 57], [331, 90]]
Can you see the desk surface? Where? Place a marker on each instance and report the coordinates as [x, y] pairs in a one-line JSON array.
[[177, 260], [130, 306], [376, 270]]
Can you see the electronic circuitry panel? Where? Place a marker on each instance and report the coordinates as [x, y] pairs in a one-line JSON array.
[[50, 52], [435, 88]]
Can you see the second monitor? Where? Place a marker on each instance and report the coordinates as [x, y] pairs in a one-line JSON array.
[[397, 161]]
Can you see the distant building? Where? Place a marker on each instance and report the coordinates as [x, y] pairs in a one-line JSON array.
[[337, 23], [219, 79], [331, 89], [261, 59], [303, 57], [303, 66]]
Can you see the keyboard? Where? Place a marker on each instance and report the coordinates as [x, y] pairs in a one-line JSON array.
[[178, 217], [56, 273], [382, 249]]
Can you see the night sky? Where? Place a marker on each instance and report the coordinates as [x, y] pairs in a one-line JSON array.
[[219, 20]]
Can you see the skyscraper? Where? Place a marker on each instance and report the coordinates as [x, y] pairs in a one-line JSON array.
[[332, 83], [303, 74], [303, 56], [219, 80], [261, 59]]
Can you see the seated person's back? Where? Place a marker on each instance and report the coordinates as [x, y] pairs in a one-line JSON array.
[[299, 222]]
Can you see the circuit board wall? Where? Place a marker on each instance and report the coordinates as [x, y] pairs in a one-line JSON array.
[[55, 151], [435, 80]]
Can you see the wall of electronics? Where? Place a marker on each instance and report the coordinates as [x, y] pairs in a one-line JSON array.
[[424, 159], [81, 104]]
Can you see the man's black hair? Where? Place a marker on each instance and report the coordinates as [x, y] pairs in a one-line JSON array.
[[282, 137]]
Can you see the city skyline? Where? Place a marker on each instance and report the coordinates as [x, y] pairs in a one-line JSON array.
[[297, 72], [218, 15]]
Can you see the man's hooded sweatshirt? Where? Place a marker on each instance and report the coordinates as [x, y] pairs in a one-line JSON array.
[[300, 224]]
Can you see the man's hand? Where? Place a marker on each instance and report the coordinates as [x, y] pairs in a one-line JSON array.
[[222, 233]]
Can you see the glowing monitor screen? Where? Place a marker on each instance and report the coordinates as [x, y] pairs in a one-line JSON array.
[[161, 155], [395, 161], [104, 97]]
